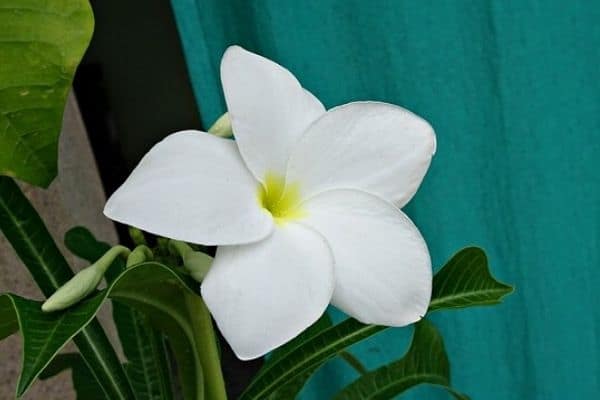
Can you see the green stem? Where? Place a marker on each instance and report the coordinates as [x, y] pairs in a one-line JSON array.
[[109, 257], [206, 342]]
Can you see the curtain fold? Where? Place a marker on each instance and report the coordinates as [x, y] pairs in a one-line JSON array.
[[512, 89]]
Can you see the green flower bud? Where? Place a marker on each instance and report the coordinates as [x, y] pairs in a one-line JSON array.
[[222, 127], [78, 287], [138, 255], [137, 236], [195, 262], [84, 282]]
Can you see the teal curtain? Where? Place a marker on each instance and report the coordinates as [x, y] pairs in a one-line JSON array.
[[512, 89]]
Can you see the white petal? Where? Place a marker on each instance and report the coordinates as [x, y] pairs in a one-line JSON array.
[[382, 265], [269, 109], [194, 187], [376, 147], [264, 294]]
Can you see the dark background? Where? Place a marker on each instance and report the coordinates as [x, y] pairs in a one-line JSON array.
[[133, 89]]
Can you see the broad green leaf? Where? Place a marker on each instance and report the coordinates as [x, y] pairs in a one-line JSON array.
[[307, 356], [84, 383], [43, 334], [465, 281], [41, 44], [147, 366], [28, 235], [425, 362]]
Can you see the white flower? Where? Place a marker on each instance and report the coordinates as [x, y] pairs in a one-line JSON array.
[[304, 207]]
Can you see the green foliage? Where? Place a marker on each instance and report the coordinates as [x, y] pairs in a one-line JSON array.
[[425, 362], [147, 366], [291, 389], [41, 44], [307, 356], [465, 280], [84, 383], [180, 314], [158, 292], [28, 235], [44, 334], [465, 274]]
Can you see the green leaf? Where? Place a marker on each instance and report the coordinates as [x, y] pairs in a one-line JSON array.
[[144, 347], [43, 334], [168, 300], [425, 362], [291, 389], [84, 383], [147, 366], [466, 273], [41, 44], [28, 235], [307, 356], [162, 295], [466, 281]]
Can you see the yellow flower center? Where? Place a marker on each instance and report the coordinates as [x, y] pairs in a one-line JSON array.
[[280, 199]]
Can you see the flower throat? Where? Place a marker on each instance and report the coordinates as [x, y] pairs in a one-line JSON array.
[[280, 199]]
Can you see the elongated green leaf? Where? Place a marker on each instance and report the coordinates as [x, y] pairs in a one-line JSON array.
[[144, 347], [44, 334], [84, 383], [465, 281], [28, 235], [425, 362], [41, 44], [292, 388], [160, 294], [307, 356], [147, 366]]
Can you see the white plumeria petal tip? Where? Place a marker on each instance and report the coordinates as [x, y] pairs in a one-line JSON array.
[[268, 107], [264, 294], [382, 265], [376, 147], [194, 187]]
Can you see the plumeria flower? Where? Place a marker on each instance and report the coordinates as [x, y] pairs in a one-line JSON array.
[[304, 207]]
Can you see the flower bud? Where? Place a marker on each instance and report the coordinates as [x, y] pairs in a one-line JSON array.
[[197, 264], [140, 254], [78, 287], [84, 282], [137, 236]]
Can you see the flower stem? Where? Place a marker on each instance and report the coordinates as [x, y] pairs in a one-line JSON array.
[[206, 342]]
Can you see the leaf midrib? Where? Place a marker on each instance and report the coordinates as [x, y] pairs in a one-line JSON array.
[[435, 379], [27, 241], [465, 295]]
